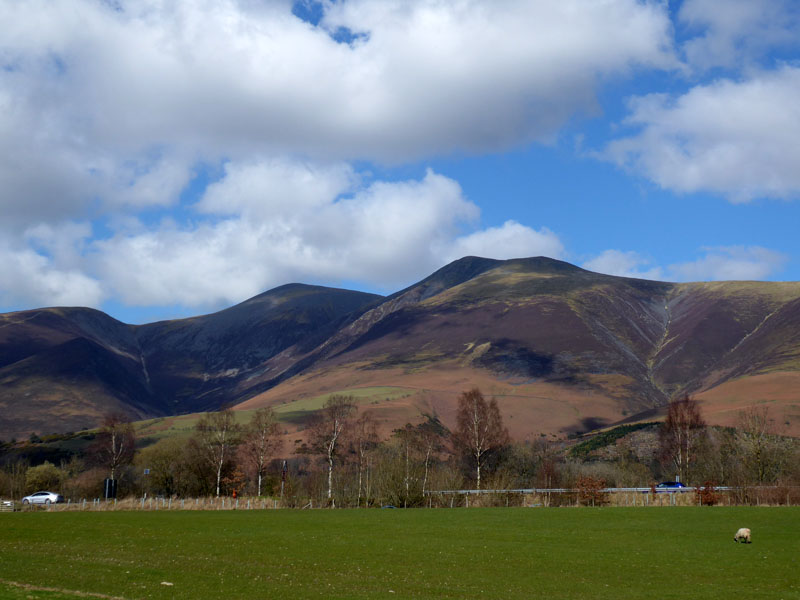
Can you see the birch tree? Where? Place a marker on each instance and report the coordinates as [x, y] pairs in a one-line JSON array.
[[262, 441], [479, 429], [217, 436], [327, 432], [115, 444], [364, 439], [681, 435], [407, 436], [431, 436], [763, 453]]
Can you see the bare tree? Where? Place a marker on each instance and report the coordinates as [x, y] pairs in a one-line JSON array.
[[115, 444], [479, 428], [217, 435], [407, 436], [429, 438], [364, 439], [261, 442], [681, 435], [763, 452], [327, 431]]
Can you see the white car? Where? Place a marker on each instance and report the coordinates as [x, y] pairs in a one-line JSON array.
[[43, 498]]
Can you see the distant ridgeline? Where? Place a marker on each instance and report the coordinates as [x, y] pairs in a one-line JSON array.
[[563, 349]]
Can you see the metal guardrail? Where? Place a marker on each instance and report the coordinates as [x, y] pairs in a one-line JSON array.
[[575, 490]]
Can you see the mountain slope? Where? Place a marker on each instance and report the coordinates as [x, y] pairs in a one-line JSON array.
[[64, 368], [204, 362], [563, 349], [568, 349]]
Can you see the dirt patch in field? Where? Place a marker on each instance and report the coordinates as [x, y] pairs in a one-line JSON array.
[[41, 588]]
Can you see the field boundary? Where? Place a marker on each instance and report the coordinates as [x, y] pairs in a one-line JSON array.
[[518, 497]]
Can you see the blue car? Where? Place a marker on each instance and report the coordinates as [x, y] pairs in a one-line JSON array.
[[669, 486]]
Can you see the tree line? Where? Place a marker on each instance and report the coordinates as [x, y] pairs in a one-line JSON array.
[[345, 463]]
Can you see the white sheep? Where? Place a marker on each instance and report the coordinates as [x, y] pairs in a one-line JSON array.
[[743, 535]]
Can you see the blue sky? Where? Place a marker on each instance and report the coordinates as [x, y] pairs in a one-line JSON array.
[[169, 159]]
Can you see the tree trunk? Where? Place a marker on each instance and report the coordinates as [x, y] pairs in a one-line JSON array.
[[405, 499], [425, 477], [368, 490], [330, 480], [360, 469]]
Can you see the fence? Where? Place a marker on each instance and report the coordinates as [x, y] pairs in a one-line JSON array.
[[639, 496], [158, 503], [529, 497]]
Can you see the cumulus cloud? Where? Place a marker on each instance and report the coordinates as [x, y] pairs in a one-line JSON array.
[[47, 270], [738, 33], [734, 138], [730, 263], [114, 102], [623, 264], [264, 187], [256, 236], [511, 240], [716, 264]]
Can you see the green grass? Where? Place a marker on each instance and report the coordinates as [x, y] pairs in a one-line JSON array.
[[360, 395], [563, 553], [606, 438], [156, 429], [181, 424]]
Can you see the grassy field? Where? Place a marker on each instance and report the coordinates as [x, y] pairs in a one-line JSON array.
[[360, 396], [476, 553], [156, 429]]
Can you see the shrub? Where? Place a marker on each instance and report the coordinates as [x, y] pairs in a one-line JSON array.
[[43, 477], [590, 490], [707, 495]]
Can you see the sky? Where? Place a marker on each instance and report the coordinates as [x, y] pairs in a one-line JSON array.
[[165, 159]]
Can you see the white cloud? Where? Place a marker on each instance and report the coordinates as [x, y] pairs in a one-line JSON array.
[[717, 264], [623, 264], [91, 92], [730, 263], [512, 240], [739, 32], [384, 234], [270, 187], [738, 139], [29, 278]]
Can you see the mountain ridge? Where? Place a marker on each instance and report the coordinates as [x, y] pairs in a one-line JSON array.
[[567, 346]]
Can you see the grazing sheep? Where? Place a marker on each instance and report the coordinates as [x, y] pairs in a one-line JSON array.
[[743, 535]]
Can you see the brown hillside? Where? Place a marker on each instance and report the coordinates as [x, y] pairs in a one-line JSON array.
[[563, 349]]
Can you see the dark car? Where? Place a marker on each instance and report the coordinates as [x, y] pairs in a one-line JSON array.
[[669, 486]]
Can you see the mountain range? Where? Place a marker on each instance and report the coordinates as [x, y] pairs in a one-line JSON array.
[[563, 349]]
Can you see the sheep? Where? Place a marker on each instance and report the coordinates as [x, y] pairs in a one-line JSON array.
[[743, 535]]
